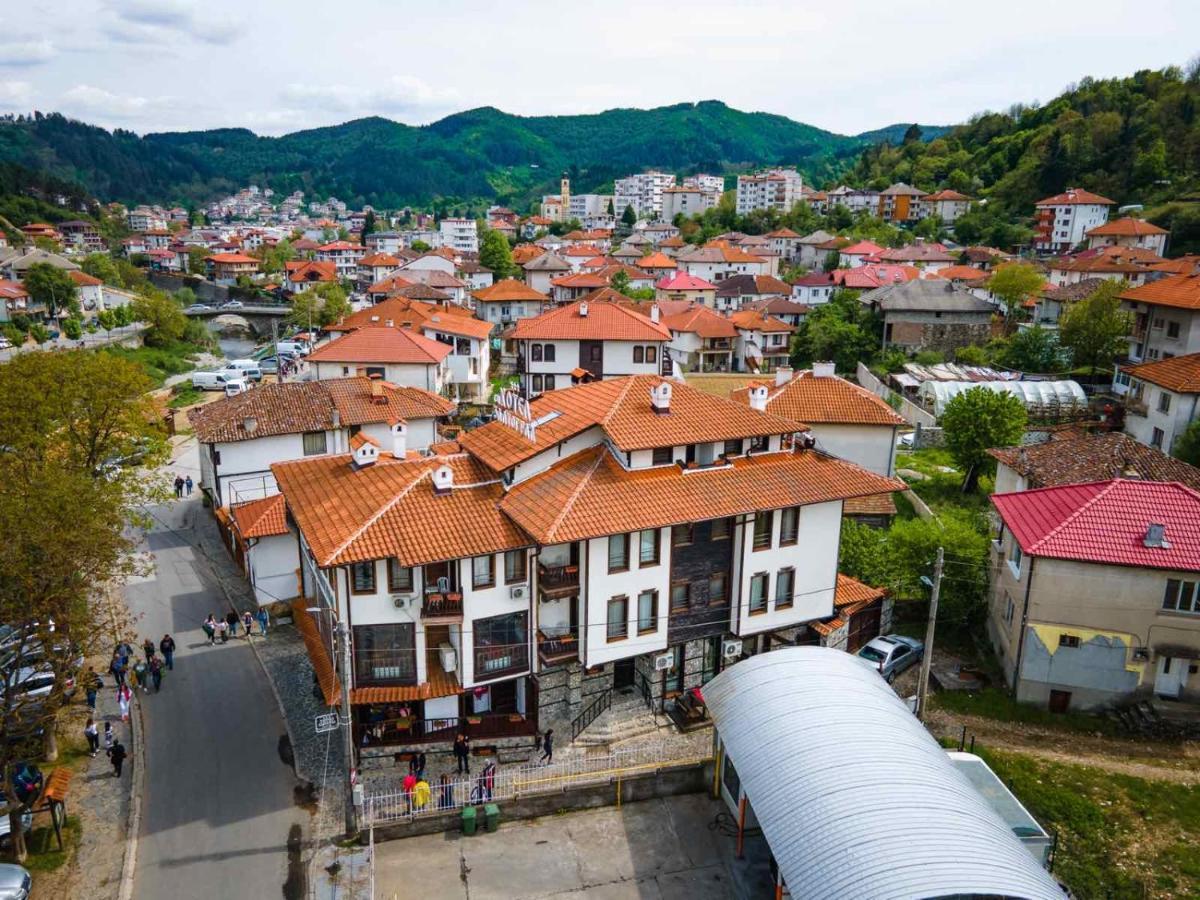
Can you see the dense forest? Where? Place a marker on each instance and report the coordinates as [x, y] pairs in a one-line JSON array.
[[479, 155]]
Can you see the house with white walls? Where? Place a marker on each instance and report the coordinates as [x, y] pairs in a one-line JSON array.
[[344, 255], [763, 343], [1163, 400], [718, 260], [397, 355], [507, 301], [1129, 232], [1063, 221]]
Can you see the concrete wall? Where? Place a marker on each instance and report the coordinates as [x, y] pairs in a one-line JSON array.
[[273, 564], [871, 446]]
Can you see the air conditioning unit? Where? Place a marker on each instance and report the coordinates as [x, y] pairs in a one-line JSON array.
[[664, 661], [518, 592], [402, 600], [1141, 654], [731, 649]]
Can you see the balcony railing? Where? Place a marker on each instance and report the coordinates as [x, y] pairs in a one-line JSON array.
[[442, 607], [501, 660], [412, 730], [562, 648], [558, 581]]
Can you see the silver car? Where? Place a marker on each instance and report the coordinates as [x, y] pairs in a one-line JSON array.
[[15, 882], [891, 654]]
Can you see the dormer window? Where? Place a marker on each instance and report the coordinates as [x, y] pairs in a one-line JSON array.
[[663, 456]]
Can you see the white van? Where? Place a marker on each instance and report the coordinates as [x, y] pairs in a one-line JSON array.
[[236, 386], [292, 348], [216, 381], [248, 368]]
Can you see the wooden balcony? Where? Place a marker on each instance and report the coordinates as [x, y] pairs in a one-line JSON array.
[[554, 650], [558, 581], [447, 608]]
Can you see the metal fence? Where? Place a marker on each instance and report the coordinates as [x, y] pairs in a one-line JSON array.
[[494, 783]]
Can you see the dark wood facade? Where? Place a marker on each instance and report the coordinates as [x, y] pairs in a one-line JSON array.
[[696, 563]]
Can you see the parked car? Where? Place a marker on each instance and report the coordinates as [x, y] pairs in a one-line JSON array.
[[233, 304], [34, 683], [249, 368], [5, 343], [198, 308], [891, 654], [215, 381], [235, 386], [292, 348], [269, 365], [15, 882]]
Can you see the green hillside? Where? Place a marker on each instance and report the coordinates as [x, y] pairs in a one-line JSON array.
[[1135, 140], [478, 155]]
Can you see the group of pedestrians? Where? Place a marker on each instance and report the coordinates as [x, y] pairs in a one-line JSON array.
[[129, 672], [183, 486], [223, 629]]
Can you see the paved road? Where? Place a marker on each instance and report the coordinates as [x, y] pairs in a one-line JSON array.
[[219, 803], [89, 341]]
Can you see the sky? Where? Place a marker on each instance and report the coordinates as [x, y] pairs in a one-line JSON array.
[[276, 66]]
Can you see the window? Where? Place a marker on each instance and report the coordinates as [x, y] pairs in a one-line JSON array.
[[758, 443], [400, 578], [733, 448], [682, 535], [535, 352], [729, 776], [385, 653], [618, 553], [681, 595], [549, 382], [789, 525], [1009, 609], [648, 553], [594, 353], [1068, 640], [1172, 329], [1182, 596], [462, 346], [1156, 438], [536, 384], [663, 456], [362, 577], [501, 645], [763, 523], [548, 353], [483, 571], [639, 353], [1014, 557], [651, 354], [1164, 402], [647, 611], [515, 566], [314, 443], [785, 587], [758, 593], [721, 529], [618, 618], [718, 589]]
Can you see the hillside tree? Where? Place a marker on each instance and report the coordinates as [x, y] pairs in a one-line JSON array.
[[977, 420], [1014, 283], [495, 254], [52, 287], [1095, 329]]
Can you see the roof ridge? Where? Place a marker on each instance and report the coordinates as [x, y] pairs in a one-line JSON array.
[[377, 515], [616, 404], [1077, 512], [583, 482]]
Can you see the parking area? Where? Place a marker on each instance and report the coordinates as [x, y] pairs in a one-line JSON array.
[[676, 847]]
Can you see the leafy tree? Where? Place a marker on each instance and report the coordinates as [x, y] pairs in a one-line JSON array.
[[620, 282], [185, 297], [420, 246], [107, 319], [101, 265], [495, 254], [1013, 283], [319, 307], [1187, 445], [195, 263], [1096, 329], [974, 422], [1034, 349], [14, 334], [163, 316], [832, 258], [840, 330], [51, 286], [123, 315], [369, 225], [971, 355], [629, 216], [39, 332], [611, 211], [72, 328]]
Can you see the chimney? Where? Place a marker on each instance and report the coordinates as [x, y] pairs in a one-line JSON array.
[[583, 310], [399, 439], [377, 396], [758, 396], [919, 241], [250, 424], [443, 479], [660, 398], [654, 313], [363, 451], [783, 375], [1156, 536], [337, 418], [823, 369]]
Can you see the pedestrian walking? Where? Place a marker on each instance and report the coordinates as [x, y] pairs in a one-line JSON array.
[[178, 487], [548, 747], [223, 631], [117, 754], [92, 684], [148, 649], [445, 791], [188, 484], [410, 782], [156, 673], [210, 629], [118, 671], [109, 737], [167, 646], [231, 619], [92, 733], [462, 753], [264, 619], [123, 697], [142, 677], [247, 623]]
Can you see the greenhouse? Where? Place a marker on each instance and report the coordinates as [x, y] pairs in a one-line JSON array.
[[1041, 398]]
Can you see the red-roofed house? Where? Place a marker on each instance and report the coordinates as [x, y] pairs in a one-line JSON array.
[[763, 343], [701, 340], [691, 288], [375, 267], [1129, 232], [859, 253], [302, 275], [397, 355], [1096, 592], [344, 255], [224, 268], [1064, 220], [1164, 399]]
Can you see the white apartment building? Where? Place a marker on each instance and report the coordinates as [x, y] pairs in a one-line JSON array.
[[946, 205], [643, 192], [585, 206], [687, 201], [476, 601], [1163, 400], [853, 200], [709, 184], [1063, 221], [146, 218], [344, 255], [774, 189], [1131, 233], [460, 235]]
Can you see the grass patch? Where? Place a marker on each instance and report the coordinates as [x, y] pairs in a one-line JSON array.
[[159, 363], [994, 703], [1119, 836], [942, 486], [183, 394], [44, 855], [904, 506]]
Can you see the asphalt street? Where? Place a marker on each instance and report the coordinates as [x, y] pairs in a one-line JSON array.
[[219, 803]]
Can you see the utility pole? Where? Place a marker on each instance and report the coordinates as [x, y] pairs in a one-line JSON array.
[[927, 658], [343, 633]]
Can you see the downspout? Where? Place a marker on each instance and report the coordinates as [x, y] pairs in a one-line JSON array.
[[1024, 620]]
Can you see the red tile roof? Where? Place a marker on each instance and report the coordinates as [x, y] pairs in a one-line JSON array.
[[508, 290], [757, 320], [83, 279], [829, 399], [961, 273], [230, 259], [1179, 291], [1180, 374], [1073, 196], [946, 194], [1126, 227], [266, 517], [701, 321], [308, 270], [603, 322], [682, 281], [1106, 522], [382, 345]]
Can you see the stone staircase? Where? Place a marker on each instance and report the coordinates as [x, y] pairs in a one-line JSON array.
[[627, 718]]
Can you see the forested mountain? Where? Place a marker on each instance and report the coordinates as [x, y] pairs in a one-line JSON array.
[[482, 154], [1135, 140]]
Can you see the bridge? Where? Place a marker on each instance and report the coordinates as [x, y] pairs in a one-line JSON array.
[[256, 318]]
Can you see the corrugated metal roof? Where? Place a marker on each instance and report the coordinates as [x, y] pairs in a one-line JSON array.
[[854, 796]]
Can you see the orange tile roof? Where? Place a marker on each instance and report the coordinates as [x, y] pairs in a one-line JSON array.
[[657, 261], [621, 407], [265, 517], [1126, 227], [702, 321], [781, 233], [1183, 265], [946, 194], [307, 270], [402, 312], [591, 495], [961, 273], [872, 505], [850, 596], [757, 320], [1180, 374], [463, 326], [604, 322], [720, 251], [83, 279], [389, 509], [382, 345], [826, 400], [509, 290], [1179, 291], [379, 259], [318, 653], [440, 684], [389, 285], [591, 279], [357, 406], [230, 258], [1073, 196]]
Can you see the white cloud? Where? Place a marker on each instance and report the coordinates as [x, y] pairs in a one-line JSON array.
[[403, 96], [143, 21], [25, 51], [15, 94], [88, 100]]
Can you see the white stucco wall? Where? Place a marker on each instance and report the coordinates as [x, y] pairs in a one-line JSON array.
[[273, 562], [870, 446], [601, 587]]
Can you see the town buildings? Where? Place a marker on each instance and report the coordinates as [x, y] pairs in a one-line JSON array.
[[398, 355], [1064, 220], [930, 315], [1129, 232], [701, 340], [1163, 399], [687, 201], [946, 205], [1166, 319], [344, 255], [778, 189], [460, 235], [226, 268], [509, 300], [644, 192], [900, 202]]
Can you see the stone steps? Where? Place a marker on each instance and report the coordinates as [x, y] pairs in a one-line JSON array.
[[627, 718]]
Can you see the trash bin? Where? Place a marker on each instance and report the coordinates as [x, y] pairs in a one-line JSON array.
[[491, 816], [468, 820]]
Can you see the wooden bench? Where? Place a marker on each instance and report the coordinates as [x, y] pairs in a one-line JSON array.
[[57, 785]]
